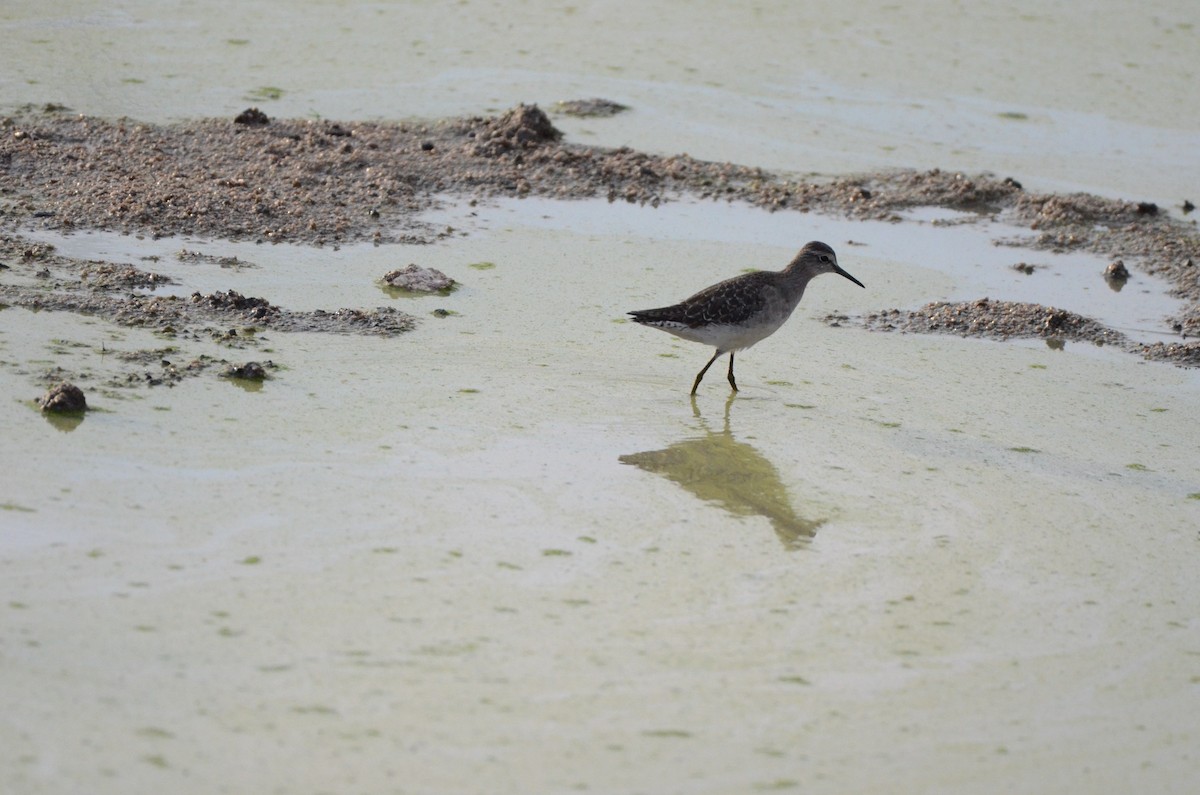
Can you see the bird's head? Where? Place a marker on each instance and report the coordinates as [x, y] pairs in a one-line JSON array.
[[817, 258]]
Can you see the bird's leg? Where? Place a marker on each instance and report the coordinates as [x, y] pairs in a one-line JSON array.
[[732, 383], [696, 385]]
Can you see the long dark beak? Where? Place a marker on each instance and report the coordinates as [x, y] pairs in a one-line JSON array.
[[841, 272]]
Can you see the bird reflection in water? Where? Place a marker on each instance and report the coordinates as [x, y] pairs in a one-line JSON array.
[[719, 469]]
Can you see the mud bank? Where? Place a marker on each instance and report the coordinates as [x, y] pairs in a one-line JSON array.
[[1003, 320], [328, 183]]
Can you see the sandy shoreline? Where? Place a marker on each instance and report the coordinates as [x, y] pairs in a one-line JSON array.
[[327, 183]]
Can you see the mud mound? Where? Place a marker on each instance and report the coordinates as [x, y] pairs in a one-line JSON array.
[[523, 127]]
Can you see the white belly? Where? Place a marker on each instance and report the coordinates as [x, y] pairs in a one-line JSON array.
[[727, 338]]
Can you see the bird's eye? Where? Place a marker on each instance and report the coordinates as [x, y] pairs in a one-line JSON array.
[[825, 258]]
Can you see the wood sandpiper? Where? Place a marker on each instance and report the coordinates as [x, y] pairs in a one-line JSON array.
[[734, 314]]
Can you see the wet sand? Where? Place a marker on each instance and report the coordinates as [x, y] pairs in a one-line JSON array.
[[328, 183]]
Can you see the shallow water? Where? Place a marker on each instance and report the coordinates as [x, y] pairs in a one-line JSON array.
[[510, 529], [944, 255], [505, 552]]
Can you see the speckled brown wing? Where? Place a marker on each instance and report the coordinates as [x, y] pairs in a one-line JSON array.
[[731, 302], [734, 301]]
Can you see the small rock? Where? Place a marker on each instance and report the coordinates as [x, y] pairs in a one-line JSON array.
[[252, 117], [1116, 271], [63, 398], [586, 108], [1147, 208], [418, 279], [1055, 318], [250, 371], [1188, 206]]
